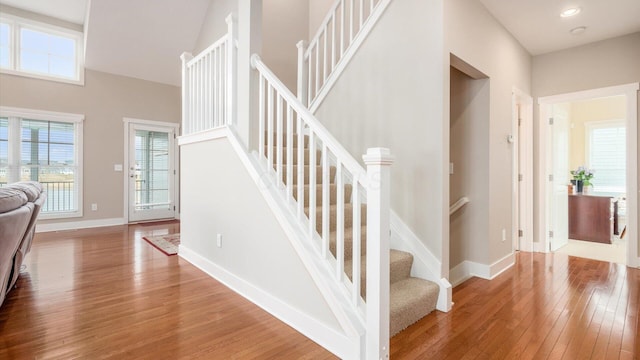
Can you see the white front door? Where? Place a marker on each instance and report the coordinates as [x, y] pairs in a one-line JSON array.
[[558, 162], [151, 172]]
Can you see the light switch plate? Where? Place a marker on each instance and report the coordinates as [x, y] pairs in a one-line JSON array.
[[117, 167]]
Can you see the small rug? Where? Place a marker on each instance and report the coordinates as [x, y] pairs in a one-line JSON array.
[[168, 244]]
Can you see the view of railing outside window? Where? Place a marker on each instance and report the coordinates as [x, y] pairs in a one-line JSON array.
[[47, 154]]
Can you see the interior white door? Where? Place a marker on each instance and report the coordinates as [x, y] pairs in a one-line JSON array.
[[559, 165], [151, 172]]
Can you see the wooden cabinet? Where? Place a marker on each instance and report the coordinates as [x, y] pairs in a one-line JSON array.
[[591, 218]]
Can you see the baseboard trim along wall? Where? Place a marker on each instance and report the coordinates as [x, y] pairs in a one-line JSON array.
[[468, 269], [83, 224], [325, 336]]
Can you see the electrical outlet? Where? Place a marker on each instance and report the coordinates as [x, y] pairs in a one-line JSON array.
[[94, 207], [219, 240]]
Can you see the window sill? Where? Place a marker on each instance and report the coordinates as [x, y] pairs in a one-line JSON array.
[[79, 82]]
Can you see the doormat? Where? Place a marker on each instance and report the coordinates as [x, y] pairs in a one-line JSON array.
[[168, 244]]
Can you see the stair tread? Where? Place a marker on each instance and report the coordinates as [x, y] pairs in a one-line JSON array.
[[411, 299], [400, 265]]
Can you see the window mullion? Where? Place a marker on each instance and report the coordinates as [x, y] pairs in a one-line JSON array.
[[14, 149]]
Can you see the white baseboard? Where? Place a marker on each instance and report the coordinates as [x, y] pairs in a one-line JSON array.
[[468, 269], [335, 342], [75, 225]]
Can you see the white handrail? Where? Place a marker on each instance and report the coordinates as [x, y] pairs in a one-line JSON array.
[[343, 30], [458, 204], [208, 83], [348, 161], [278, 109]]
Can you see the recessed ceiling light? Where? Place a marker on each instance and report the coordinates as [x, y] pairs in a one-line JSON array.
[[577, 31], [570, 12]]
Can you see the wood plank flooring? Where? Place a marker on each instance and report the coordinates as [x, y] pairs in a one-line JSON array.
[[548, 306], [106, 293]]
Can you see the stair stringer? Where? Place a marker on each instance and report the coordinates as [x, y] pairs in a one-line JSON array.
[[333, 290], [425, 264]]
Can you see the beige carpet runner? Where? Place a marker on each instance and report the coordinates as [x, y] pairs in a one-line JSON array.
[[411, 298]]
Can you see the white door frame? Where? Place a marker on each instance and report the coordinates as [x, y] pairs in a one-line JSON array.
[[631, 93], [522, 215], [176, 160]]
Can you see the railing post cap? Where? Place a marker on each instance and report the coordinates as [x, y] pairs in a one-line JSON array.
[[378, 156], [230, 19], [255, 58], [186, 56], [301, 44]]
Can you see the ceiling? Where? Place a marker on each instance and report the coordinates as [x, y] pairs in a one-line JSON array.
[[540, 29], [144, 38]]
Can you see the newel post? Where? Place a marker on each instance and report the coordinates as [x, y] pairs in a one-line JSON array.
[[378, 161], [185, 57], [303, 73], [232, 75]]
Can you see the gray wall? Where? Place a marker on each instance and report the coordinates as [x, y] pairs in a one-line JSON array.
[[104, 100], [390, 95], [469, 152], [601, 64], [214, 25], [254, 246], [473, 35]]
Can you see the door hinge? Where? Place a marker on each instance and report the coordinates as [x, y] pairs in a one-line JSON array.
[[174, 208], [550, 121], [520, 233], [174, 172], [551, 177], [519, 121], [520, 177], [551, 233]]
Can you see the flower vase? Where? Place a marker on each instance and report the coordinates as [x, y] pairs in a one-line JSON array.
[[579, 186]]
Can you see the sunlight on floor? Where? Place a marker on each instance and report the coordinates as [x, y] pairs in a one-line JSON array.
[[615, 252]]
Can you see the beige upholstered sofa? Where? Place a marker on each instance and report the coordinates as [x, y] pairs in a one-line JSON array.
[[20, 204]]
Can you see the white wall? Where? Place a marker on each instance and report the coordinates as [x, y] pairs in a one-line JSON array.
[[219, 197], [601, 64], [390, 95], [105, 100], [473, 35]]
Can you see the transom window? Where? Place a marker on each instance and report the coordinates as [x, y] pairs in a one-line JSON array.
[[40, 50], [44, 147]]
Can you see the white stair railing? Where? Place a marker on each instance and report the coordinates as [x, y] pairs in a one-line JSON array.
[[208, 83], [341, 33], [281, 118]]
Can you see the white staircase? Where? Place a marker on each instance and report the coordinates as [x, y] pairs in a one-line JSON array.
[[339, 213]]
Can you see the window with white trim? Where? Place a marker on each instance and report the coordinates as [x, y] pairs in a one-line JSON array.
[[44, 147], [606, 154], [40, 50]]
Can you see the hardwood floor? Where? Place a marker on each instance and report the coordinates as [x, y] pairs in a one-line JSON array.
[[549, 306], [106, 293]]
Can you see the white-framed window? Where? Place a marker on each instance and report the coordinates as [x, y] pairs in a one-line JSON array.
[[39, 50], [606, 154], [45, 147]]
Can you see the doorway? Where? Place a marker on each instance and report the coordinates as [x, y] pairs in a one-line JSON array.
[[150, 170], [568, 141]]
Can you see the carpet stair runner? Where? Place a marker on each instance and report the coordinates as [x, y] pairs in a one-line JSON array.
[[411, 298]]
